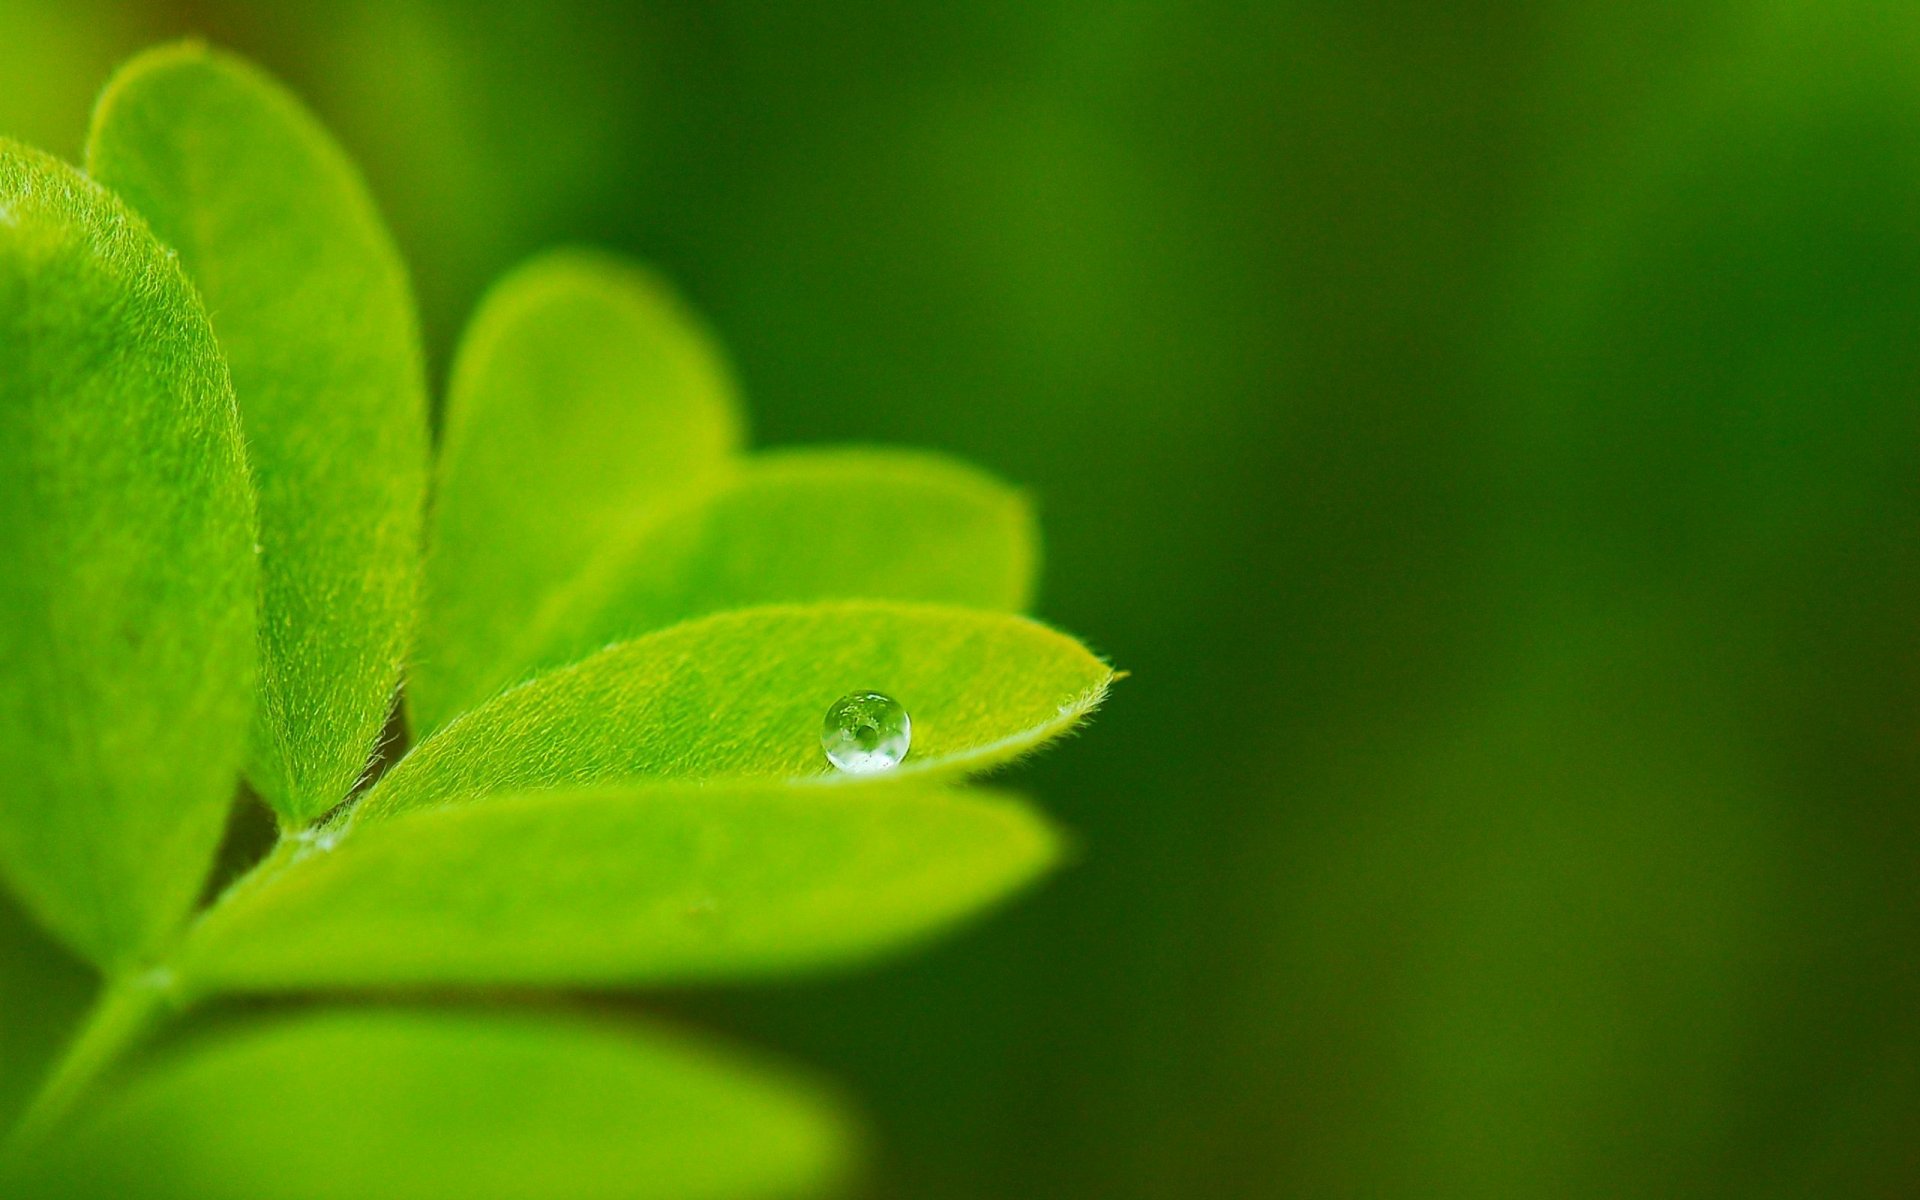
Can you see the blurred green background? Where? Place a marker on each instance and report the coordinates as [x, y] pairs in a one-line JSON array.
[[1489, 432]]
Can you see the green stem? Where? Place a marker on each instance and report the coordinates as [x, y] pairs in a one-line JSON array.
[[125, 1011]]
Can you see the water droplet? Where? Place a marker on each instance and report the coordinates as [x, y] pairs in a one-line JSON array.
[[866, 732]]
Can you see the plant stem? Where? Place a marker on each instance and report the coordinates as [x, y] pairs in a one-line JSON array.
[[123, 1014], [126, 1011]]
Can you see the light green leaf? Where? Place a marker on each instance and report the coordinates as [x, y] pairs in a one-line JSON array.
[[584, 395], [797, 526], [650, 884], [446, 1106], [311, 307], [742, 696], [126, 569]]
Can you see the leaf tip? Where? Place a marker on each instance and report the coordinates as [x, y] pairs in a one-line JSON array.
[[154, 60]]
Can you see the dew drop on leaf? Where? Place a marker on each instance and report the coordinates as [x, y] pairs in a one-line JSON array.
[[866, 732]]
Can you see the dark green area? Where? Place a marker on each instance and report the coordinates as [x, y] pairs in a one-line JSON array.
[[1490, 433]]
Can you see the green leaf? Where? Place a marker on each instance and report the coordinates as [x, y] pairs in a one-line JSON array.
[[584, 396], [127, 577], [797, 526], [651, 884], [445, 1106], [742, 696], [311, 307]]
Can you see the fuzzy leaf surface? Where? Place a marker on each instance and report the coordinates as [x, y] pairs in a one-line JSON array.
[[127, 575], [660, 884], [742, 696], [311, 307], [583, 397], [444, 1106]]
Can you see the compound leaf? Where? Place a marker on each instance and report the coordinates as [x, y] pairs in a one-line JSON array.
[[311, 306]]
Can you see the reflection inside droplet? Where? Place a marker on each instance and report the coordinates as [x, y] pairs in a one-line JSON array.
[[866, 732]]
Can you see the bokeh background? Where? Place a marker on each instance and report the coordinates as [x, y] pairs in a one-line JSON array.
[[1490, 434]]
